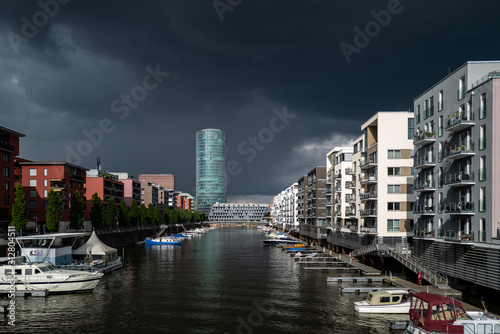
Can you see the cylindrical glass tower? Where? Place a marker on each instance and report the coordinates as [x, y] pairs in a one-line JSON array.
[[210, 169]]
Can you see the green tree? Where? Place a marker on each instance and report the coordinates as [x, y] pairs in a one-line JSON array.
[[151, 212], [76, 215], [53, 214], [134, 213], [167, 216], [143, 214], [123, 214], [96, 211], [196, 216], [19, 209], [110, 215], [157, 215], [175, 216]]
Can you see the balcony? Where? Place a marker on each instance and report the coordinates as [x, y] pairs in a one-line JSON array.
[[350, 211], [460, 236], [369, 196], [369, 179], [350, 198], [459, 179], [368, 162], [350, 184], [424, 185], [338, 189], [424, 138], [466, 208], [5, 146], [368, 230], [328, 203], [353, 227], [368, 212], [424, 210], [461, 150], [328, 191], [338, 176], [327, 181], [349, 171], [427, 161], [459, 121]]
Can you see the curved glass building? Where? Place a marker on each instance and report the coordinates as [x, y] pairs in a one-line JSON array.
[[210, 169]]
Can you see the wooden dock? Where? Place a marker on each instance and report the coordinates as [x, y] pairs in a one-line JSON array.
[[334, 269]]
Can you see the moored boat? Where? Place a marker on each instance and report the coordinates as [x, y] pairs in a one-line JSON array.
[[45, 276], [163, 241], [385, 301], [433, 313]]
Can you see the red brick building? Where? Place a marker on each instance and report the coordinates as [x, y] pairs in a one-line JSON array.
[[9, 149], [167, 181], [40, 177], [106, 185]]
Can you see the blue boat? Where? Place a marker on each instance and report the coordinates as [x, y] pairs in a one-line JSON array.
[[180, 235], [163, 241]]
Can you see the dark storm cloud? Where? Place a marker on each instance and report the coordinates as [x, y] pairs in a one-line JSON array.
[[229, 74]]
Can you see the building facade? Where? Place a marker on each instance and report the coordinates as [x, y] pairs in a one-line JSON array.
[[457, 154], [106, 185], [284, 207], [167, 181], [9, 150], [210, 169], [236, 212], [131, 188], [40, 177]]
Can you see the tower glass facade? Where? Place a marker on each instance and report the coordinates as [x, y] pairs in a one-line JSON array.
[[210, 169]]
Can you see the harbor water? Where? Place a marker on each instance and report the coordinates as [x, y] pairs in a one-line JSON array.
[[226, 281]]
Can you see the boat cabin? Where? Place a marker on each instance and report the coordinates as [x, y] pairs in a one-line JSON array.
[[436, 313], [387, 297]]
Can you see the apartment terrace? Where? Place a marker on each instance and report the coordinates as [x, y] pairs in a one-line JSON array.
[[459, 121], [424, 138]]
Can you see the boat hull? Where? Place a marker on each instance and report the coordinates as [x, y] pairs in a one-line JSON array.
[[364, 307], [280, 242], [154, 242]]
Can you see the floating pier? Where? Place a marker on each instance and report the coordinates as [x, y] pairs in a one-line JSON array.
[[335, 269]]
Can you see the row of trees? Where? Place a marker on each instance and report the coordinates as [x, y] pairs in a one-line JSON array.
[[108, 213]]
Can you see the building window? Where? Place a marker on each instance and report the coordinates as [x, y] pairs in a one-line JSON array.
[[418, 114], [45, 193], [394, 154], [461, 88], [45, 183], [6, 157], [6, 171], [45, 172], [33, 204], [6, 200], [393, 206], [440, 126], [394, 171], [32, 183], [393, 225], [6, 185], [32, 171], [482, 168], [411, 127], [482, 107], [32, 193], [431, 106], [440, 100], [394, 188], [482, 137]]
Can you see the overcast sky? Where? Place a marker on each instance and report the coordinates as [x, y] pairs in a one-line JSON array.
[[287, 80]]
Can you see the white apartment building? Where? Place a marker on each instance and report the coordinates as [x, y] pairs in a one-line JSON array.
[[284, 207], [379, 197]]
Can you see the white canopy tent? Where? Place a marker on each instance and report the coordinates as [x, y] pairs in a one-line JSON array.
[[96, 249]]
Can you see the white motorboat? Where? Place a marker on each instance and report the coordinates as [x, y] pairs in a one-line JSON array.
[[385, 301], [45, 276]]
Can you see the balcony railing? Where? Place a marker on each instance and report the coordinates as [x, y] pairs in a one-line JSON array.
[[459, 207], [424, 138], [368, 212], [368, 162], [459, 121], [366, 229], [350, 198], [349, 171], [424, 209], [424, 184], [368, 195], [459, 179], [369, 179], [349, 211], [6, 146], [427, 160], [460, 150], [350, 184]]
